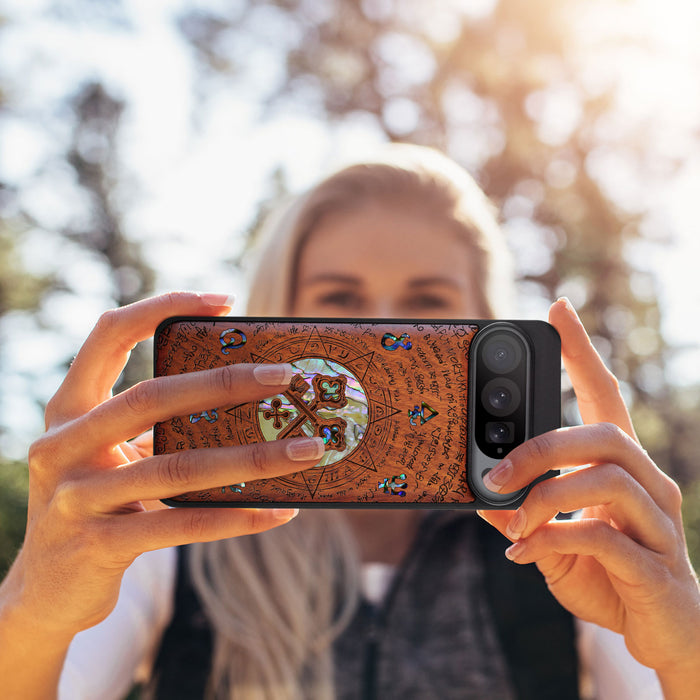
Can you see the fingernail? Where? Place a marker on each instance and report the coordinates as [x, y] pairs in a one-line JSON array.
[[499, 476], [517, 525], [569, 306], [273, 375], [303, 449], [218, 300], [515, 550], [285, 513]]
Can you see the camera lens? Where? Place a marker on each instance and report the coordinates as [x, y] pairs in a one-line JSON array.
[[502, 353], [499, 432], [500, 396]]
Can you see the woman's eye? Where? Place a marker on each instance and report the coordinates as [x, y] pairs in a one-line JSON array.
[[341, 299], [428, 301]]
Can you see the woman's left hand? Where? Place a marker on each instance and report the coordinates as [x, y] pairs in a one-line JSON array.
[[623, 564]]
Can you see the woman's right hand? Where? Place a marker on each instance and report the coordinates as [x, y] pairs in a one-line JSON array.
[[86, 517]]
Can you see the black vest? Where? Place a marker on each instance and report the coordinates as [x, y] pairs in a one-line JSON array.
[[419, 626]]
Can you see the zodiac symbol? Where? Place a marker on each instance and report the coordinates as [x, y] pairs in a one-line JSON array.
[[391, 342], [209, 416], [234, 488], [419, 412], [275, 414], [238, 340], [393, 486]]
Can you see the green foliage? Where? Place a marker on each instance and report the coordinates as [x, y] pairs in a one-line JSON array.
[[14, 483], [691, 521], [93, 155], [484, 87], [18, 289]]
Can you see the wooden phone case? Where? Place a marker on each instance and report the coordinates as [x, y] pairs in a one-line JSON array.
[[389, 398]]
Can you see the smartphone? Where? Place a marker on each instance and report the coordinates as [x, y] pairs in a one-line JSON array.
[[413, 413]]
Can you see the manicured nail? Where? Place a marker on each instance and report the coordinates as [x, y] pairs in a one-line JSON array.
[[218, 300], [515, 550], [499, 476], [274, 375], [285, 514], [303, 449], [569, 306], [517, 525]]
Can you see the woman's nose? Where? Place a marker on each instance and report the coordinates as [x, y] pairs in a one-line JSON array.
[[383, 308]]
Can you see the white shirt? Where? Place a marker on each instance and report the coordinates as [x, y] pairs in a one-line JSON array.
[[104, 661]]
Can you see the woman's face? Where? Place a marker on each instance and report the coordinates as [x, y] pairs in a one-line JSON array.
[[385, 261]]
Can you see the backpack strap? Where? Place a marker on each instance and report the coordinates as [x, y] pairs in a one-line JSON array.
[[183, 664], [536, 633]]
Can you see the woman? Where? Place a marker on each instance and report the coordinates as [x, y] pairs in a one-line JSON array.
[[412, 236]]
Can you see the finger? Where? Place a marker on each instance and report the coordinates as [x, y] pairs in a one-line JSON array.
[[140, 407], [497, 518], [138, 448], [606, 486], [102, 357], [579, 445], [170, 475], [131, 452], [614, 550], [142, 532], [143, 444], [596, 388]]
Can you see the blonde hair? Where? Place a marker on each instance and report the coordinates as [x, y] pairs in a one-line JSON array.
[[404, 175], [277, 600]]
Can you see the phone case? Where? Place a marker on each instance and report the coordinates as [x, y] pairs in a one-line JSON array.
[[389, 398]]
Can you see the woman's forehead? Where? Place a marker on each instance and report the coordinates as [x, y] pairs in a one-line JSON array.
[[380, 236]]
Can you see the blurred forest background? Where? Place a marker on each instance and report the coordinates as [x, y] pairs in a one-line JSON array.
[[580, 119]]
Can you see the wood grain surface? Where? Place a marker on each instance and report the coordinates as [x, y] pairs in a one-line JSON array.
[[389, 399]]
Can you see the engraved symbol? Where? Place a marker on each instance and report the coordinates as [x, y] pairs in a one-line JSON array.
[[329, 392], [393, 486], [298, 385], [391, 342], [333, 435], [275, 414], [420, 412], [324, 400], [232, 339], [209, 416], [234, 488]]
